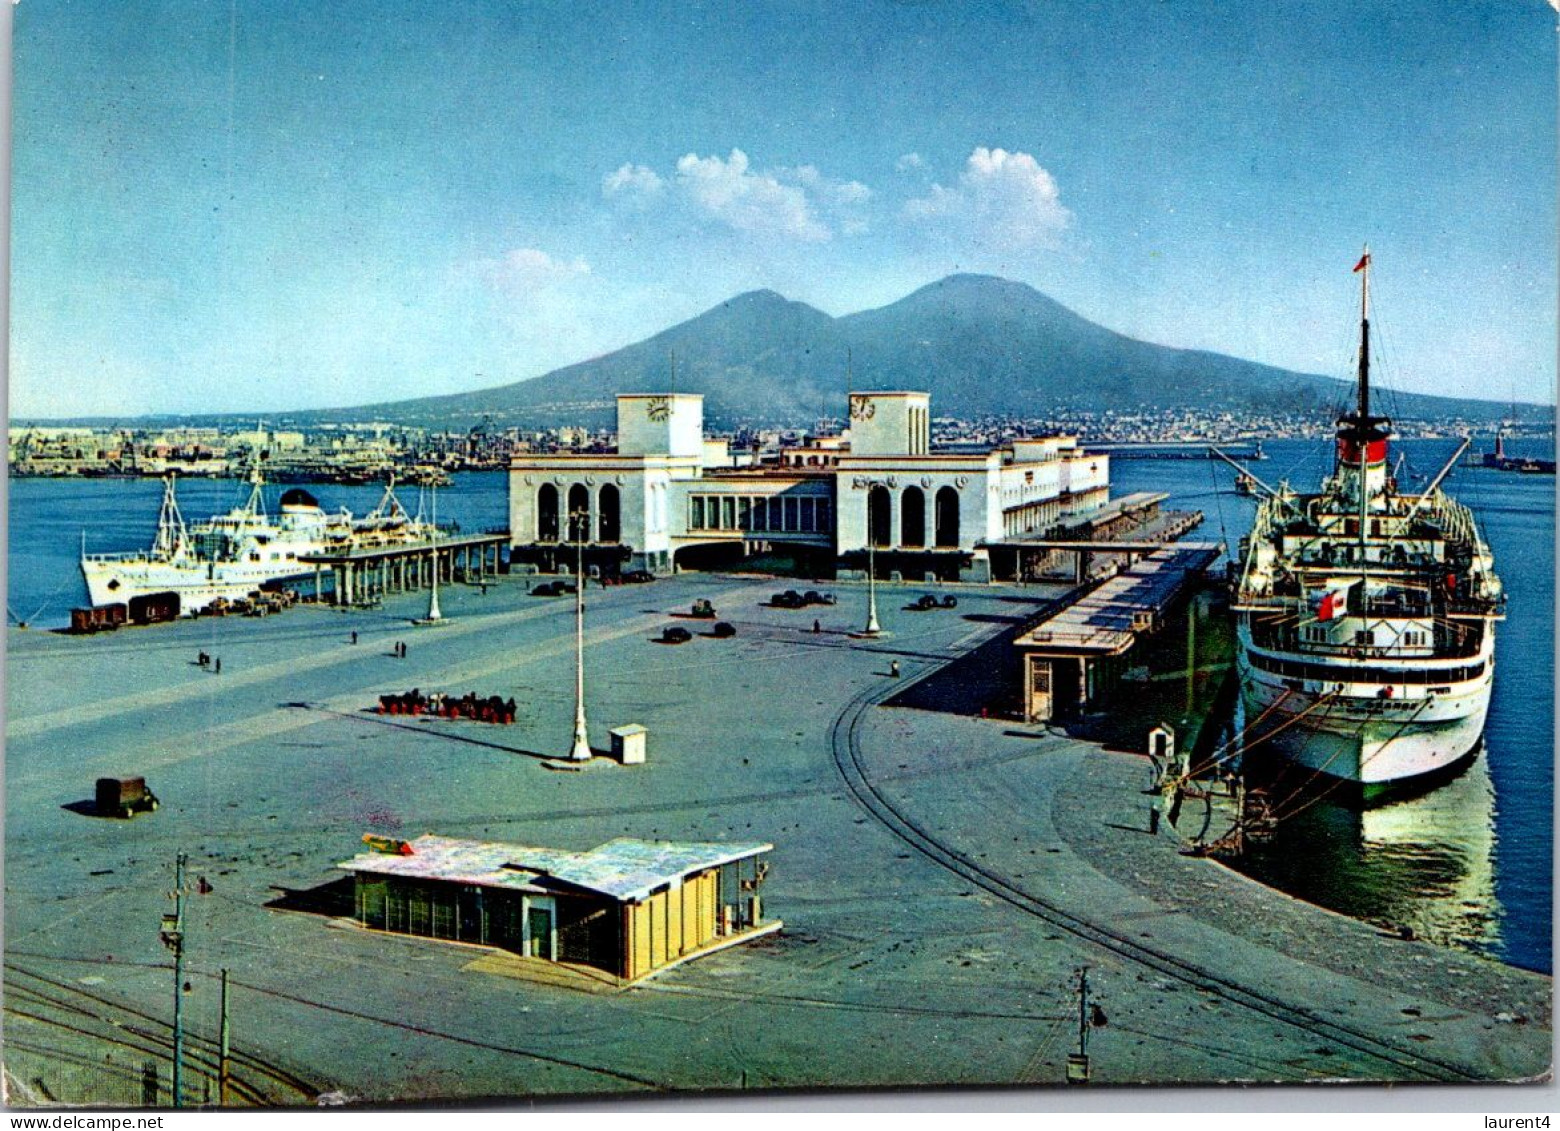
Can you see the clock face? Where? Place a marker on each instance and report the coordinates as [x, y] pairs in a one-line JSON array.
[[658, 408], [862, 409]]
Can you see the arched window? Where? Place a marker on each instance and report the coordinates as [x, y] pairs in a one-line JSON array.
[[547, 513], [880, 518], [610, 524], [912, 517], [947, 517], [579, 513]]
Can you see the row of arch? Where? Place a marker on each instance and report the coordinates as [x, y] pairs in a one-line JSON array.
[[606, 517], [912, 518]]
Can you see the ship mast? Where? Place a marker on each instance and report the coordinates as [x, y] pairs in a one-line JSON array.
[[1363, 448], [1364, 270]]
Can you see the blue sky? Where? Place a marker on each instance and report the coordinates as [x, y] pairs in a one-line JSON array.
[[263, 206]]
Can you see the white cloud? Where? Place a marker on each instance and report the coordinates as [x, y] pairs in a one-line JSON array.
[[750, 202], [908, 162], [1002, 198], [838, 194], [529, 268], [797, 202], [632, 181]]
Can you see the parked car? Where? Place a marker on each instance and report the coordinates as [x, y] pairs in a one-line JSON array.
[[553, 589], [638, 576], [675, 634], [703, 609], [790, 599], [723, 629], [813, 597]]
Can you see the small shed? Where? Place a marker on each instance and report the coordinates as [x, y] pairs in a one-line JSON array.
[[628, 744], [628, 907]]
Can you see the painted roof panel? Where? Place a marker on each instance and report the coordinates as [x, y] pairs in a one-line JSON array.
[[625, 869]]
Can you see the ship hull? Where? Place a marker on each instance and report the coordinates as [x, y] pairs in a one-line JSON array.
[[1375, 743], [198, 585]]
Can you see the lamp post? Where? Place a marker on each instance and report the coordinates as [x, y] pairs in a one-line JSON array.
[[873, 627], [433, 593], [581, 750]]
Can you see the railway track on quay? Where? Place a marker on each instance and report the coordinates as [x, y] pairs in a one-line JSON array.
[[845, 743], [76, 1021]]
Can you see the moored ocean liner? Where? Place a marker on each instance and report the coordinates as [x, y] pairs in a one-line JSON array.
[[1366, 616], [232, 555]]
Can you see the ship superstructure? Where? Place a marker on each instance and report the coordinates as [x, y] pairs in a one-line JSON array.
[[1366, 616]]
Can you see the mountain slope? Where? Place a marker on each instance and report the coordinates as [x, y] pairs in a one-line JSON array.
[[978, 344]]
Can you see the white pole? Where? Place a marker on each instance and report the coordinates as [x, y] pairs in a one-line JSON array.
[[433, 598], [873, 628], [581, 749]]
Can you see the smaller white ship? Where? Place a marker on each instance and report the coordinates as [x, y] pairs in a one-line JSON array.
[[231, 556]]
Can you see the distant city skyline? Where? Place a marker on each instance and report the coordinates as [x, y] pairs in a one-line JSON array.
[[229, 208]]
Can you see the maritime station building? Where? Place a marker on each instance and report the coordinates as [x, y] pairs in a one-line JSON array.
[[671, 498]]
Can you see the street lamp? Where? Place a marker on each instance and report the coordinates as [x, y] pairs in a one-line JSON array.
[[581, 749], [433, 593], [873, 628]]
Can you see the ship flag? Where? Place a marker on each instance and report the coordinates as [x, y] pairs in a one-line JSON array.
[[1334, 600], [1363, 263]]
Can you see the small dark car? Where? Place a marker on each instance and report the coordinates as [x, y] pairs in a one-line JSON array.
[[675, 634], [723, 629]]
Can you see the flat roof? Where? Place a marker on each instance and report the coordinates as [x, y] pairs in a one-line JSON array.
[[1102, 621], [625, 868]]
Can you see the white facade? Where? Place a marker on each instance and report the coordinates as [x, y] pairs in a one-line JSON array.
[[667, 489]]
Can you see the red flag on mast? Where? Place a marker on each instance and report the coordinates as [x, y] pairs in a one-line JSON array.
[[1363, 263]]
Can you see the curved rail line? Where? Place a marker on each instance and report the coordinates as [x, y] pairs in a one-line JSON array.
[[248, 1072], [845, 742]]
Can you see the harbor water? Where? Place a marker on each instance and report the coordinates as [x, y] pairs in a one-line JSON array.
[[1467, 865]]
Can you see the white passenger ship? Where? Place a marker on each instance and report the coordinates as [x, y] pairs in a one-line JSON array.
[[233, 555], [1366, 616]]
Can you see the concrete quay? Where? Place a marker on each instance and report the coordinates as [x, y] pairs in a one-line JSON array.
[[941, 875]]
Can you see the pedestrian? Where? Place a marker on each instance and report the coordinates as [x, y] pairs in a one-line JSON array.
[[817, 627], [354, 637], [893, 668], [219, 665]]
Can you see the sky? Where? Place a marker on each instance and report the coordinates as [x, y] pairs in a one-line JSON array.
[[260, 206]]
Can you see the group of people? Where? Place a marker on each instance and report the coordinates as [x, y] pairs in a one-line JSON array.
[[482, 709], [210, 664], [398, 649]]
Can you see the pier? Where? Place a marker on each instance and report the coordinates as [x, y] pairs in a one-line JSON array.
[[1072, 654], [368, 573]]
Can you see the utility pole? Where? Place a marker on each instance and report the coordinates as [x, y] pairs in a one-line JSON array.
[[1078, 1062], [581, 749], [224, 1063], [173, 938]]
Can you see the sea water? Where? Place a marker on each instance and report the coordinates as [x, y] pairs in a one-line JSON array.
[[1467, 864]]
